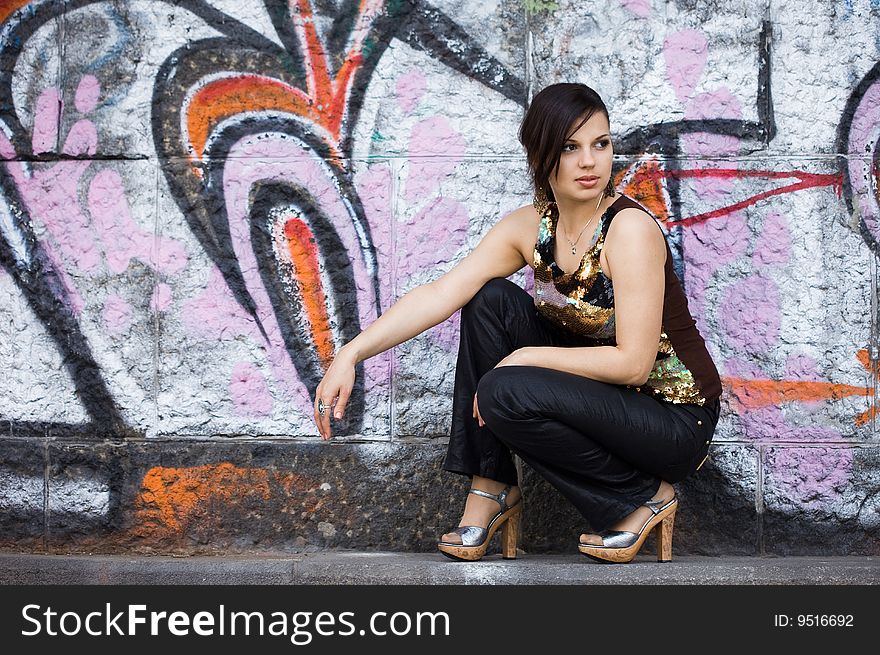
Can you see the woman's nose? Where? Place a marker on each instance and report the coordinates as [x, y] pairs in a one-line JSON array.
[[586, 158]]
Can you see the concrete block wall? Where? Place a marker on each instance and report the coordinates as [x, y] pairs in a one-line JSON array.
[[200, 200]]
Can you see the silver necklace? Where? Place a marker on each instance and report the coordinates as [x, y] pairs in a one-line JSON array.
[[574, 243]]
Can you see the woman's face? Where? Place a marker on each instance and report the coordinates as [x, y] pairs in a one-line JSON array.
[[585, 163]]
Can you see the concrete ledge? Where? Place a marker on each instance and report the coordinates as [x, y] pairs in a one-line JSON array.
[[383, 568], [201, 498]]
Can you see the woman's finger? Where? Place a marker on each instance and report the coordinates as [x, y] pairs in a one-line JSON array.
[[477, 412], [323, 397], [341, 403], [317, 415]]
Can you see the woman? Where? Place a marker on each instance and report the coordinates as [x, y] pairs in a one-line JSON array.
[[601, 383]]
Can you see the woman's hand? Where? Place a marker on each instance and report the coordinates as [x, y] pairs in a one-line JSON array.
[[518, 357], [333, 392]]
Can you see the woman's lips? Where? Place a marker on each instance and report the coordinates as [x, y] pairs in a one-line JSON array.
[[587, 181]]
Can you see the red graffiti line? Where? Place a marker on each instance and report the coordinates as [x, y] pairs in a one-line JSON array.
[[652, 176]]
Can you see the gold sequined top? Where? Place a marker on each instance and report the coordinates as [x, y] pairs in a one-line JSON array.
[[582, 303]]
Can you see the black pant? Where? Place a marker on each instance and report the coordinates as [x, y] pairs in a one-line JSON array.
[[604, 446]]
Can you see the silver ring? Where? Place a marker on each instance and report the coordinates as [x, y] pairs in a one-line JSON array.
[[321, 407]]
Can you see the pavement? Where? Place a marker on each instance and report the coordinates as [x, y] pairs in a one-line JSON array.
[[391, 568]]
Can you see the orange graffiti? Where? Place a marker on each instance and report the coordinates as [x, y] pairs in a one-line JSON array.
[[9, 7], [644, 184], [753, 393], [304, 256], [324, 103], [172, 500], [224, 98], [330, 94]]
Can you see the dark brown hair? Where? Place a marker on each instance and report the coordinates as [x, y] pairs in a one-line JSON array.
[[548, 123]]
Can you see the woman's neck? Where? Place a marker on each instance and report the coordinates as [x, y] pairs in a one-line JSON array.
[[573, 215]]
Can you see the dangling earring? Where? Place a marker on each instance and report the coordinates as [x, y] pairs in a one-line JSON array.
[[541, 201], [609, 188]]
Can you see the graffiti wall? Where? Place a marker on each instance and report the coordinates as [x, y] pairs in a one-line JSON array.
[[200, 201]]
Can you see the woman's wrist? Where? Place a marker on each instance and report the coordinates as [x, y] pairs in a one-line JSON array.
[[348, 354]]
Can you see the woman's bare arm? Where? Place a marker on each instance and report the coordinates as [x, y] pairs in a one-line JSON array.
[[500, 253]]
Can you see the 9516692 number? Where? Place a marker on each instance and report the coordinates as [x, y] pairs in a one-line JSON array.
[[813, 621]]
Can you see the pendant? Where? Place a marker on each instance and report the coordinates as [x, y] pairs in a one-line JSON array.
[[573, 250]]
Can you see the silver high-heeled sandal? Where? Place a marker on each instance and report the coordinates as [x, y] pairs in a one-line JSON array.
[[620, 546], [475, 539]]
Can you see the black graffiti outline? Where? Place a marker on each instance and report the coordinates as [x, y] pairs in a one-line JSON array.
[[419, 27], [417, 24], [841, 144]]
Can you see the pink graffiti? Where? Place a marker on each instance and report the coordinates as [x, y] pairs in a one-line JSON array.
[[435, 234], [249, 391], [438, 230], [750, 313], [641, 8], [411, 86], [215, 314], [51, 194], [750, 322], [710, 246], [87, 94], [117, 314], [46, 114], [160, 299], [374, 190], [809, 476], [429, 138], [685, 53], [863, 137], [707, 247], [768, 423], [774, 247], [122, 237], [720, 103], [802, 367]]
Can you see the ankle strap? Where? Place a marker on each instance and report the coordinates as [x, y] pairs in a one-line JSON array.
[[657, 506], [500, 498]]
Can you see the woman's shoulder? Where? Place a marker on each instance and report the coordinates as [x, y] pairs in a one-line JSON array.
[[626, 206], [522, 221], [630, 215], [519, 228], [527, 214], [634, 224]]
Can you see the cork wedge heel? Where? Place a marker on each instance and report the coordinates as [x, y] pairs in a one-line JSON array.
[[620, 547], [475, 539]]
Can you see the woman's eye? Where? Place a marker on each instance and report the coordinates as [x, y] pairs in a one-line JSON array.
[[603, 144], [568, 147]]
